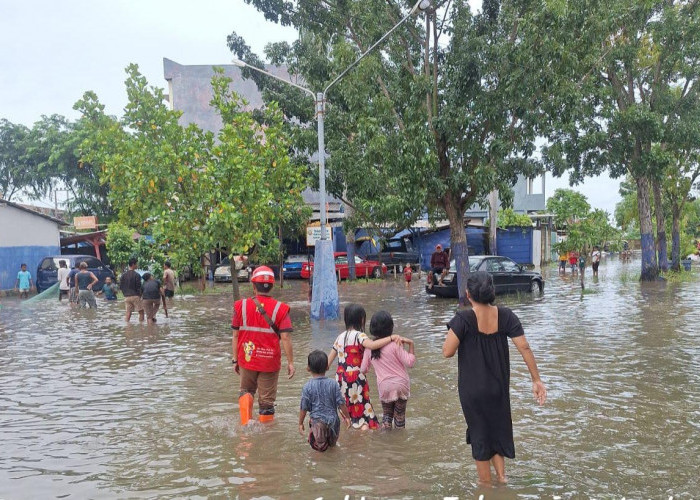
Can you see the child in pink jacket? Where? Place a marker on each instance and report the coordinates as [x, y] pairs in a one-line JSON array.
[[390, 364]]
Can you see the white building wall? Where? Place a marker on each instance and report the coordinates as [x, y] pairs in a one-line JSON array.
[[21, 228]]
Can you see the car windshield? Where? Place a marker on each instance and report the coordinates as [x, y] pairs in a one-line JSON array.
[[296, 258]]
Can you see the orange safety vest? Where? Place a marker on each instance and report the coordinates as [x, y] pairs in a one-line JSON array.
[[258, 344]]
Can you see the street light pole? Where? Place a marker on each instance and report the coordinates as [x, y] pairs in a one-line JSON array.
[[324, 300]]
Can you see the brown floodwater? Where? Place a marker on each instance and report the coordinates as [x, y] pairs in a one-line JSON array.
[[93, 408]]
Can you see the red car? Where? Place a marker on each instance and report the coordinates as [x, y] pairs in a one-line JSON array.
[[362, 267]]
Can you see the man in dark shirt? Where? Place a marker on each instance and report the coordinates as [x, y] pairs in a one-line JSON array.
[[439, 264], [130, 284]]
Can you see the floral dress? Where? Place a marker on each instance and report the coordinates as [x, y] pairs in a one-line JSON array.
[[353, 383]]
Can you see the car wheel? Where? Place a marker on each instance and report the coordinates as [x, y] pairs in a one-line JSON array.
[[376, 272], [536, 286]]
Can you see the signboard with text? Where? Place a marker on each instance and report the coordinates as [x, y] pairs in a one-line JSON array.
[[313, 234], [85, 222]]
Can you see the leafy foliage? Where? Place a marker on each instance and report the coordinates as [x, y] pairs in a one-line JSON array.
[[434, 121], [568, 206], [188, 190], [508, 217]]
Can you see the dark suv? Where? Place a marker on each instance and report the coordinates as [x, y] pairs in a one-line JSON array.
[[48, 269]]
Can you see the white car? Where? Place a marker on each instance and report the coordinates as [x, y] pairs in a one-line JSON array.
[[223, 271]]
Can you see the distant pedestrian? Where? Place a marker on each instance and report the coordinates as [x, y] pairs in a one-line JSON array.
[[109, 289], [24, 282], [130, 285], [573, 262], [563, 258], [168, 280], [84, 281], [322, 399], [62, 276], [390, 364], [73, 291], [151, 296], [595, 260], [407, 274]]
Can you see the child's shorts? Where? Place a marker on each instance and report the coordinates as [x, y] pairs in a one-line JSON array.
[[322, 436]]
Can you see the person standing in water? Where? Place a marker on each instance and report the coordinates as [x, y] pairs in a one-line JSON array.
[[62, 276], [84, 281], [261, 325], [479, 336]]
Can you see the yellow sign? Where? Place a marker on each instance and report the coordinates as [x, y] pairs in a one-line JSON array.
[[85, 222]]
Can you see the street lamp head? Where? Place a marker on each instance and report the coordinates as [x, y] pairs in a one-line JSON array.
[[238, 62], [421, 5]]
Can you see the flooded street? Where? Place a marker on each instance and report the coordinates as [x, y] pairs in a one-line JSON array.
[[93, 408]]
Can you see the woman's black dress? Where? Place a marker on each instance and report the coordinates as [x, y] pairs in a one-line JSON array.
[[484, 382]]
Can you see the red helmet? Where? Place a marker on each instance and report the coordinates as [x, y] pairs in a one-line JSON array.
[[263, 274]]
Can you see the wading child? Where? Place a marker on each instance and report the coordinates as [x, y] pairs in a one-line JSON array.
[[24, 282], [321, 398], [407, 274], [350, 347], [390, 363]]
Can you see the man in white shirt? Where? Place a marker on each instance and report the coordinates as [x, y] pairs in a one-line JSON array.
[[63, 286]]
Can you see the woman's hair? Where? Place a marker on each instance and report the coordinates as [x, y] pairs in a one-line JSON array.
[[318, 362], [480, 287], [381, 325], [355, 317]]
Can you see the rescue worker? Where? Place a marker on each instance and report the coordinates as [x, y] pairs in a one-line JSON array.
[[260, 325]]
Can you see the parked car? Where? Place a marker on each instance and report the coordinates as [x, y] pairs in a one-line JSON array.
[[46, 272], [398, 252], [291, 268], [362, 267], [223, 270], [508, 276]]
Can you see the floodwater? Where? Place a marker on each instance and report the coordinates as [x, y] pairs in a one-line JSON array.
[[93, 408]]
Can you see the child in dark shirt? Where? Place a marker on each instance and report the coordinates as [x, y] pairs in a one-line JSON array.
[[321, 397]]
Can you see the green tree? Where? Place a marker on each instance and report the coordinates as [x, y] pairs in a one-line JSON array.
[[190, 192], [640, 85], [120, 245], [437, 119], [18, 168], [507, 217], [568, 206]]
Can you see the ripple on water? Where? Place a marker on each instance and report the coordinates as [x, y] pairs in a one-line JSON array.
[[91, 407]]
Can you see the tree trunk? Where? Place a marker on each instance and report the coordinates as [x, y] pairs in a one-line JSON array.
[[459, 249], [350, 241], [661, 244], [234, 282], [493, 227], [650, 269], [676, 239]]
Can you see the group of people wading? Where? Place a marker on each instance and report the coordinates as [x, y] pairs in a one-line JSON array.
[[479, 336]]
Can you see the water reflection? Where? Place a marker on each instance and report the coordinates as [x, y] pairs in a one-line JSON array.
[[92, 407]]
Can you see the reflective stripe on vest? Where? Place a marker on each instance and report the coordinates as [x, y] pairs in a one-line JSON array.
[[244, 319]]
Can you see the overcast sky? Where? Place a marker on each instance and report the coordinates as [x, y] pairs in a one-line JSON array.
[[53, 51]]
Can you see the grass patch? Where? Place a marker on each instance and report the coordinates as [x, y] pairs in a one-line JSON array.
[[630, 277], [680, 276], [194, 289], [589, 291]]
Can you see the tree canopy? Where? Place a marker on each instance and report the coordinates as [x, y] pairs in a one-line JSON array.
[[192, 192], [446, 111]]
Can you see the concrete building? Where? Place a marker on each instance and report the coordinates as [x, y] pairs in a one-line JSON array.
[[189, 91], [528, 198], [26, 236]]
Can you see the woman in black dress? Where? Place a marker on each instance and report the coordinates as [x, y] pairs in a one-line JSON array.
[[480, 337]]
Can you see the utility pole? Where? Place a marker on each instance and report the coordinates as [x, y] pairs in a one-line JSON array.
[[493, 217]]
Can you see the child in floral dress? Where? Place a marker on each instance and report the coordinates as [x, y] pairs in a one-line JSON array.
[[349, 347]]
